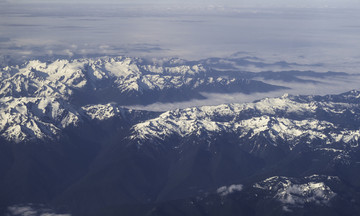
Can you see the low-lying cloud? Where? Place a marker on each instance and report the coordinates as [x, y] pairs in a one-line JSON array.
[[31, 210], [326, 86], [226, 190]]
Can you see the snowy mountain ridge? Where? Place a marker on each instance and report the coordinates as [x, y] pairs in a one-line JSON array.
[[60, 77], [286, 118], [29, 118], [32, 118], [292, 192], [124, 80], [39, 99]]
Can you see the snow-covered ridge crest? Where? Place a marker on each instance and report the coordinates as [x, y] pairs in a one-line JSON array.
[[39, 118], [284, 118], [29, 118], [60, 77]]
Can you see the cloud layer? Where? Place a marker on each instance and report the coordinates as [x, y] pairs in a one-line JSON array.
[[187, 31]]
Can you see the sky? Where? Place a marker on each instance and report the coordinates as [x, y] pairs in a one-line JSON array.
[[238, 3]]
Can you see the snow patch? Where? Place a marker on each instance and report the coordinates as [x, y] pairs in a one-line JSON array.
[[102, 111]]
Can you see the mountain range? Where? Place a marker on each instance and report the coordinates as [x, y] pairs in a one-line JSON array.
[[67, 143]]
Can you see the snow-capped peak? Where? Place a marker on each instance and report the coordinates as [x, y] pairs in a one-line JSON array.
[[30, 118]]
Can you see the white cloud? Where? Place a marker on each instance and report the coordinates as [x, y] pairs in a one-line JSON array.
[[22, 211], [225, 190], [31, 210]]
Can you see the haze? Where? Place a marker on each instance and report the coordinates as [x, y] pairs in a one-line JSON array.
[[242, 3]]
